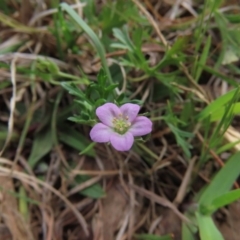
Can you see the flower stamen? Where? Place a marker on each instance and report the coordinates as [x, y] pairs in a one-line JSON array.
[[121, 124]]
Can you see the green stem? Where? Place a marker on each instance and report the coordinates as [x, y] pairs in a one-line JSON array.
[[147, 150]]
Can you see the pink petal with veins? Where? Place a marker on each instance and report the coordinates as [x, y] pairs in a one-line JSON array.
[[122, 142], [140, 126], [107, 112]]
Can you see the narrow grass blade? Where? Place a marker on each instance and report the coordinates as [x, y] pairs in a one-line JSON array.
[[203, 59], [98, 45], [219, 103], [225, 199], [42, 145], [207, 228], [222, 182], [219, 113], [76, 140], [94, 191], [23, 205], [186, 232]]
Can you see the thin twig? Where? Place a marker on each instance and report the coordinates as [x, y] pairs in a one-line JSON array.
[[160, 200], [183, 188]]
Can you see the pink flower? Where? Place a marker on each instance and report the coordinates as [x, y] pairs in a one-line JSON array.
[[119, 125]]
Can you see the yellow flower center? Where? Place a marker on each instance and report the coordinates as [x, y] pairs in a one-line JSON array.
[[121, 124]]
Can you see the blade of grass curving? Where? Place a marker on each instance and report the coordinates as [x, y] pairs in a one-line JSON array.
[[224, 122], [23, 205], [219, 103], [76, 140], [98, 45], [42, 145], [207, 228], [29, 116], [225, 199], [203, 59], [122, 36], [24, 132], [181, 138], [187, 233], [227, 147], [219, 114], [93, 191], [222, 182]]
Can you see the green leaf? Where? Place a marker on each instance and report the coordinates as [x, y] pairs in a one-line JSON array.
[[42, 145], [72, 89], [215, 4], [120, 46], [88, 148], [95, 191], [187, 234], [233, 18], [100, 102], [122, 36], [222, 182], [152, 237], [46, 66], [79, 119], [137, 36], [110, 88], [180, 135], [219, 113], [120, 98], [187, 112], [178, 46], [219, 103], [203, 58], [23, 205], [74, 139], [207, 228], [227, 147], [102, 78], [224, 200]]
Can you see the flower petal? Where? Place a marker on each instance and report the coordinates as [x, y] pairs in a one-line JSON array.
[[122, 142], [140, 126], [100, 133], [131, 110], [107, 112]]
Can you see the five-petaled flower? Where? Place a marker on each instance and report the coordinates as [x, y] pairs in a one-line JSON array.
[[119, 125]]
